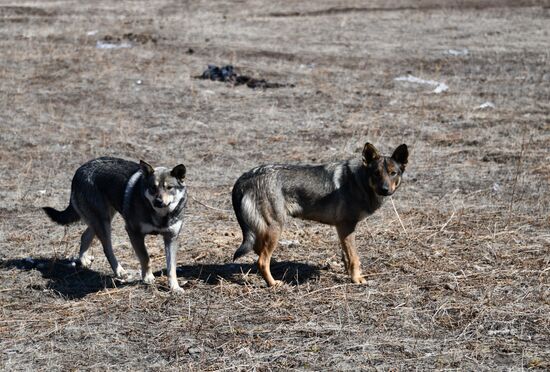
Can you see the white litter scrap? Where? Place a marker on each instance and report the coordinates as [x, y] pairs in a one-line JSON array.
[[486, 105], [289, 242], [91, 33], [439, 87], [457, 52], [106, 45]]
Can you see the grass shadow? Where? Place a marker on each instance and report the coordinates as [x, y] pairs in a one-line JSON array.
[[64, 277], [292, 273]]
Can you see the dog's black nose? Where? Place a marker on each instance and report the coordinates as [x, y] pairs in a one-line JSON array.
[[158, 203], [385, 190]]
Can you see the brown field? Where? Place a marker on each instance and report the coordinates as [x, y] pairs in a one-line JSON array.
[[463, 285]]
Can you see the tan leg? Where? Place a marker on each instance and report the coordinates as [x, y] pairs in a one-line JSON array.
[[351, 259], [345, 261], [266, 246]]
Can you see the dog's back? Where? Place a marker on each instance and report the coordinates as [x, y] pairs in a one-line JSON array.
[[265, 196], [97, 184], [324, 193], [104, 177]]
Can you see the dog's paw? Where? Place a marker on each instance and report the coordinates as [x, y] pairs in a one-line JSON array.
[[177, 290], [358, 280], [276, 284], [85, 261], [148, 279], [121, 274], [175, 287]]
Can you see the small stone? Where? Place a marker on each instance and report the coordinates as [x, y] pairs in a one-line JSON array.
[[194, 350]]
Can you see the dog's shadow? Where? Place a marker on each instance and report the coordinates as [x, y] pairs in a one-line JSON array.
[[75, 282], [64, 276], [292, 273]]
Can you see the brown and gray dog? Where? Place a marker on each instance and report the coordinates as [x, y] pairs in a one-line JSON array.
[[340, 194]]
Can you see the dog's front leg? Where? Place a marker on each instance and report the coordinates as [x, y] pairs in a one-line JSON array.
[[171, 248], [346, 233], [138, 243]]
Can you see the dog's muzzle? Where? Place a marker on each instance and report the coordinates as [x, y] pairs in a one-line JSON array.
[[157, 203], [384, 191]]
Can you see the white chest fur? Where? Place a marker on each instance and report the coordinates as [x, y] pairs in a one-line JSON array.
[[147, 228]]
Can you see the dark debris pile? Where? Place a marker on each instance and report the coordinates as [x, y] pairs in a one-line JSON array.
[[227, 74]]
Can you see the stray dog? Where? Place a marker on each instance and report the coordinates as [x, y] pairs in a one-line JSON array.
[[151, 201], [340, 194]]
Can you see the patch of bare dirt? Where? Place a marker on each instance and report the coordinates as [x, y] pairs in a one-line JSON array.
[[417, 6]]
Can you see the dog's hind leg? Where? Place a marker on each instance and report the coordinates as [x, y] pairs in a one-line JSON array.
[[347, 240], [85, 242], [265, 247], [138, 243]]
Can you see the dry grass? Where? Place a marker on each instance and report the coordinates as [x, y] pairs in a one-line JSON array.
[[466, 287]]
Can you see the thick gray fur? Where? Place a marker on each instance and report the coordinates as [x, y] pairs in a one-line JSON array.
[[340, 194], [307, 192]]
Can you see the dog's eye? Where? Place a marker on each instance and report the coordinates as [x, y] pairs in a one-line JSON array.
[[393, 173], [169, 188]]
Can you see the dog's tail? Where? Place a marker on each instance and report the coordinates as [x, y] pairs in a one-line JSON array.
[[65, 217], [249, 237], [246, 246]]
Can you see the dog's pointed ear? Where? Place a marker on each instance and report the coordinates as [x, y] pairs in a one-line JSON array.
[[401, 155], [179, 172], [146, 168], [370, 153]]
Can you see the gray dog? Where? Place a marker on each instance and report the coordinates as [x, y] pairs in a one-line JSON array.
[[339, 194], [151, 201]]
